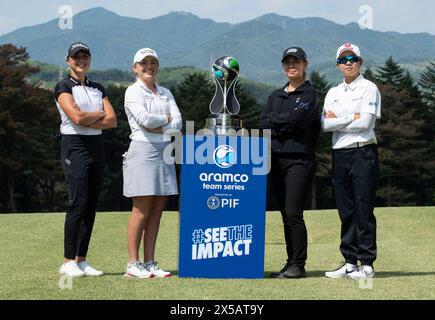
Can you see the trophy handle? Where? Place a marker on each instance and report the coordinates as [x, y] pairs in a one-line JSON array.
[[217, 103], [233, 104]]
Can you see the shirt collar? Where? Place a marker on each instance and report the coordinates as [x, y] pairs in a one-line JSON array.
[[147, 90], [353, 84], [77, 81], [301, 88]]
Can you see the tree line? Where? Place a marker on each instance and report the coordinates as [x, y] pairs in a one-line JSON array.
[[31, 178]]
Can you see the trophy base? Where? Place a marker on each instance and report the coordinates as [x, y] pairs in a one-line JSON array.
[[224, 124]]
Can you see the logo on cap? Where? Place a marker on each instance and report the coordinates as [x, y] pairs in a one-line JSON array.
[[292, 50], [147, 51], [75, 45]]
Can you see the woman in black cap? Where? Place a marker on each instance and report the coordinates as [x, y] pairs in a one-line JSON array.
[[85, 110], [294, 119]]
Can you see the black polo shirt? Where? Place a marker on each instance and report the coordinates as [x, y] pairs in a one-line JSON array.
[[294, 119]]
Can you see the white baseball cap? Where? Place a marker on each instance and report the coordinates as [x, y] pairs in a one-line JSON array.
[[348, 47], [144, 52]]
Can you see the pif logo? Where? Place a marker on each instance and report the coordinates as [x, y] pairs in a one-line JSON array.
[[224, 156], [214, 202]]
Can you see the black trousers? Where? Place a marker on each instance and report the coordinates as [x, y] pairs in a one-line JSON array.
[[355, 177], [83, 165], [292, 175]]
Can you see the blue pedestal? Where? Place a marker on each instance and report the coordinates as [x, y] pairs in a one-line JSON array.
[[222, 207]]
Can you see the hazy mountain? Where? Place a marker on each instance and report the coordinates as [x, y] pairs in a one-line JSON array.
[[184, 39]]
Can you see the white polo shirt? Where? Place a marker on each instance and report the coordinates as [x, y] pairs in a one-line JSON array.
[[145, 109], [88, 96], [344, 101]]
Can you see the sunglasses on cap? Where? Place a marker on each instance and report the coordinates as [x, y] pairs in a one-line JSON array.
[[344, 60]]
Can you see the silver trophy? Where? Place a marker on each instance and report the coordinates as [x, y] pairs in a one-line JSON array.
[[224, 107]]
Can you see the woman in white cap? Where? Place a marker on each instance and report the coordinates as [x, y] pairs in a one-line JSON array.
[[85, 110], [350, 112], [149, 178]]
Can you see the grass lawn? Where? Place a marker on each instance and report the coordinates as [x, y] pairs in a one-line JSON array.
[[32, 248]]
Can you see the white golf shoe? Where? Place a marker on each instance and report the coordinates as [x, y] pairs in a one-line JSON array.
[[156, 271], [363, 272], [71, 269], [89, 270], [137, 269], [343, 272]]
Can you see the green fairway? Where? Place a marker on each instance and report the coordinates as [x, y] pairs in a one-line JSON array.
[[32, 248]]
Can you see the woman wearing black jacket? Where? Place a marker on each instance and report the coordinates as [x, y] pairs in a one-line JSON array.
[[294, 119]]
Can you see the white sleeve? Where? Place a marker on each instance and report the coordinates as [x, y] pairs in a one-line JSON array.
[[365, 121], [335, 124], [177, 122], [371, 101], [136, 105]]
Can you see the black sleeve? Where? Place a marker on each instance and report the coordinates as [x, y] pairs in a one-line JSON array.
[[61, 87], [264, 122], [299, 116]]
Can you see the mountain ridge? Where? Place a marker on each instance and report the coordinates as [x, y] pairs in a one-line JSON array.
[[182, 38]]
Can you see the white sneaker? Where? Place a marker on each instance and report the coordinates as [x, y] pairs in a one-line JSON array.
[[89, 270], [342, 272], [156, 271], [137, 270], [71, 269], [364, 272]]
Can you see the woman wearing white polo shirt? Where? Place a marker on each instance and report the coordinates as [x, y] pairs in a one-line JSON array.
[[148, 178], [350, 112], [85, 110]]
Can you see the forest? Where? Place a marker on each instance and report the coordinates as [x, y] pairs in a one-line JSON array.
[[31, 178]]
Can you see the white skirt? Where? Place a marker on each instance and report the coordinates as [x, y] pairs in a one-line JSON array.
[[146, 173]]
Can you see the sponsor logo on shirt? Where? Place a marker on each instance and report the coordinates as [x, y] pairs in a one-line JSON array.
[[302, 105]]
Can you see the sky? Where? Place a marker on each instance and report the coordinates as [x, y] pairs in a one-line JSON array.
[[403, 16]]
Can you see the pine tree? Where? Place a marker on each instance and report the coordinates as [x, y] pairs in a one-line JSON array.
[[398, 82], [320, 83], [194, 94], [390, 73], [116, 143], [322, 186], [250, 110], [28, 121], [369, 75], [427, 85], [401, 148]]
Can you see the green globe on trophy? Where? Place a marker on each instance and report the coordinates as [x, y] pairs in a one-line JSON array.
[[224, 107]]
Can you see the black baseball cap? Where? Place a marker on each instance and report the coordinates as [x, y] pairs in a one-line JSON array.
[[76, 47], [294, 52]]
